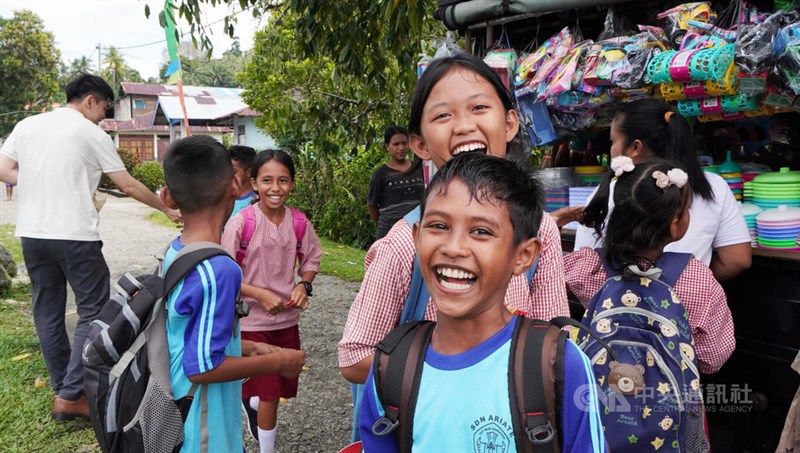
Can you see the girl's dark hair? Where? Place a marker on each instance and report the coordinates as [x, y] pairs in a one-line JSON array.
[[491, 179], [642, 213], [391, 131], [267, 155], [646, 120], [435, 71]]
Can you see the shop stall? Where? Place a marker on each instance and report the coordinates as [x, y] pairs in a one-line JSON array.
[[733, 68]]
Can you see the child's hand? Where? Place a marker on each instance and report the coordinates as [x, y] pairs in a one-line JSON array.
[[270, 301], [566, 215], [299, 298], [292, 361]]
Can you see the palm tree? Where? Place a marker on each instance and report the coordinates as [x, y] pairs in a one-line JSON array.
[[79, 65], [115, 66]]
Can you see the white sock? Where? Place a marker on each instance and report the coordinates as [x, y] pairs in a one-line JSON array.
[[254, 403], [266, 440]]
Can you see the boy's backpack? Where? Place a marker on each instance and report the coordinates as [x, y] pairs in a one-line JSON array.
[[650, 386], [418, 295], [299, 221], [126, 362], [535, 390]]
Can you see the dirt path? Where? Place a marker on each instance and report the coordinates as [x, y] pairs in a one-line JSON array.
[[318, 420]]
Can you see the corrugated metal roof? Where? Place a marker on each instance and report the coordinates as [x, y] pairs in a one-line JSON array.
[[195, 110], [245, 112], [153, 89]]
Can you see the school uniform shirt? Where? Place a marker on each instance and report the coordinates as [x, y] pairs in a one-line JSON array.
[[463, 403], [712, 223], [241, 203], [201, 332], [697, 289], [269, 263], [388, 267]]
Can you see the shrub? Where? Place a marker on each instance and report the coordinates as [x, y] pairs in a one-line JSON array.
[[130, 159], [150, 174]]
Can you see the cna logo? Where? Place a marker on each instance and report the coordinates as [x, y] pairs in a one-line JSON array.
[[491, 438]]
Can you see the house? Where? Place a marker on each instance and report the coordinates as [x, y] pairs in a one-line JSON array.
[[245, 131], [147, 117]]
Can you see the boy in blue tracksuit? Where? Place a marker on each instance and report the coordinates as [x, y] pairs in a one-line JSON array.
[[479, 220], [205, 345]]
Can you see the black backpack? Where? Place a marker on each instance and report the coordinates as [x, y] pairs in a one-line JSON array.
[[126, 362], [397, 370]]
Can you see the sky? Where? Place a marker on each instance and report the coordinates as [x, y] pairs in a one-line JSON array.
[[80, 25]]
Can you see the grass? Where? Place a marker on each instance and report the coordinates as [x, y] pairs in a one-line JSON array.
[[338, 260], [25, 392]]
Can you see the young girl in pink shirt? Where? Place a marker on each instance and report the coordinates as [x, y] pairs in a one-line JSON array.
[[278, 244]]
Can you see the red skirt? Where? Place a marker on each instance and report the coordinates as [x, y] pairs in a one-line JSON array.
[[270, 387]]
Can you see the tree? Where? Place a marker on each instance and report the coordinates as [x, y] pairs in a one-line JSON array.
[[81, 65], [114, 67], [200, 70], [29, 62], [328, 123], [363, 37]]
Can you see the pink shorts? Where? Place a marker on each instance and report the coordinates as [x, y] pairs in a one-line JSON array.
[[270, 387]]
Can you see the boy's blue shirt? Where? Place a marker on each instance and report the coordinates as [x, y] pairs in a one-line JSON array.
[[463, 403], [241, 203], [201, 332]]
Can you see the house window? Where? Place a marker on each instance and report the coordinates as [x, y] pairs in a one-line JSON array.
[[240, 135], [140, 145], [139, 104]]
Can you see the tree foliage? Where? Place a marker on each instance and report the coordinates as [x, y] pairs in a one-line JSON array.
[[199, 69], [29, 62], [329, 122]]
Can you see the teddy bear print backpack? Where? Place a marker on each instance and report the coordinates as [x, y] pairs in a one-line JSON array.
[[649, 392]]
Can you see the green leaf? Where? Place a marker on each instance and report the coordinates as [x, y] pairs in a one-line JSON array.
[[146, 10]]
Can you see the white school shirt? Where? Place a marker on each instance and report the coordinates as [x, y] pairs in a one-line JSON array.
[[712, 223], [61, 156]]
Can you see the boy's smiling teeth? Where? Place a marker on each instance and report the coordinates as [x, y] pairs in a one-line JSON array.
[[468, 147], [455, 278]]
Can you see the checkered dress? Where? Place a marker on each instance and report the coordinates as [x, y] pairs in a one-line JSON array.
[[705, 301]]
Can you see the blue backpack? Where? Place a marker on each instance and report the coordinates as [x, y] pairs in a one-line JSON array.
[[650, 385]]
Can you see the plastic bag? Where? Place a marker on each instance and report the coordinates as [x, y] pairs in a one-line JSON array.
[[612, 26], [503, 62], [572, 121], [448, 47], [676, 20], [787, 49], [754, 50]]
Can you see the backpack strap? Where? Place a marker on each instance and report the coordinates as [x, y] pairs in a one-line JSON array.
[[536, 375], [672, 265], [418, 295], [299, 223], [185, 261], [248, 229], [396, 371]]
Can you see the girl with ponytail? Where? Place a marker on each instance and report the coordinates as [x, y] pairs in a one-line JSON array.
[[645, 129]]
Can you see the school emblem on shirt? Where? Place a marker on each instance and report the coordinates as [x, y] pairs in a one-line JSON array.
[[491, 437]]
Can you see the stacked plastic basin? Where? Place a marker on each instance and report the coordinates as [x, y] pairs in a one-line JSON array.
[[770, 190], [750, 211], [779, 228], [589, 175], [732, 174], [556, 182], [747, 195]]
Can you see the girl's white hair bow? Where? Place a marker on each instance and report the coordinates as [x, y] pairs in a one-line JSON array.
[[621, 164], [675, 177]]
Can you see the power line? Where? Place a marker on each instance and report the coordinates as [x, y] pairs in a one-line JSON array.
[[181, 35]]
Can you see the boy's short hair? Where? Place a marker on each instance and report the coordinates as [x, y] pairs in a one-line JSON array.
[[198, 172], [490, 178], [86, 84], [244, 155]]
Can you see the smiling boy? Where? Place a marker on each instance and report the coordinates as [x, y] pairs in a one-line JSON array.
[[479, 220]]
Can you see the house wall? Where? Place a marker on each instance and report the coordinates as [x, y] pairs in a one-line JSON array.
[[126, 108], [253, 136]]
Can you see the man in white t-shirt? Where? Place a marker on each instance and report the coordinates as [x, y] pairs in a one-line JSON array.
[[57, 158]]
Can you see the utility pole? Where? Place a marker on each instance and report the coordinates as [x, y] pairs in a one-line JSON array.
[[99, 48]]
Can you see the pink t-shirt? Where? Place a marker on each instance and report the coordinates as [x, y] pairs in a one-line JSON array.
[[270, 263]]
